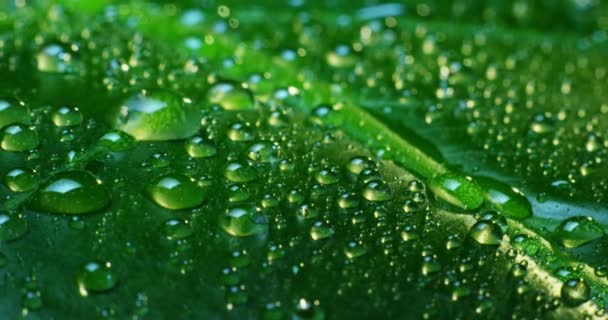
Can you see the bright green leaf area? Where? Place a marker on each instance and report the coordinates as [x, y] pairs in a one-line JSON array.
[[303, 159]]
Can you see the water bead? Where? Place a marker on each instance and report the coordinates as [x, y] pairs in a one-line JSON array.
[[116, 141], [358, 163], [377, 191], [18, 138], [176, 192], [176, 229], [240, 172], [67, 117], [13, 111], [486, 233], [264, 152], [575, 292], [320, 231], [158, 116], [458, 190], [230, 96], [240, 132], [53, 58], [21, 180], [71, 192], [578, 230], [197, 147], [243, 222], [96, 277]]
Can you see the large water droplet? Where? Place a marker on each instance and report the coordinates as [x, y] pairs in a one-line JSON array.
[[71, 192], [18, 138], [176, 192], [377, 190], [67, 117], [240, 172], [241, 222], [21, 180], [486, 232], [175, 229], [96, 277], [13, 111], [157, 116], [575, 292], [457, 190], [230, 96], [578, 230], [116, 141], [197, 147]]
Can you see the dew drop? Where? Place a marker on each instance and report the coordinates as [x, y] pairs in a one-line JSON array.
[[240, 172], [67, 117], [231, 97], [18, 138], [21, 180], [377, 191], [158, 116], [575, 292], [486, 233], [96, 277], [241, 222], [176, 192], [13, 111], [71, 192], [197, 147], [578, 230], [176, 229]]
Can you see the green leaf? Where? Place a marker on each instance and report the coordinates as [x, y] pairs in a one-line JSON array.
[[426, 159]]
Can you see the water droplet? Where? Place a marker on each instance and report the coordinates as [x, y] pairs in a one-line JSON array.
[[240, 172], [326, 176], [264, 152], [18, 138], [377, 191], [12, 227], [486, 233], [575, 292], [116, 141], [158, 116], [96, 277], [197, 147], [457, 190], [176, 229], [409, 233], [241, 222], [240, 132], [576, 231], [53, 58], [231, 96], [354, 249], [509, 201], [71, 192], [21, 180], [13, 111], [176, 192], [320, 231], [542, 123], [67, 117], [357, 164]]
